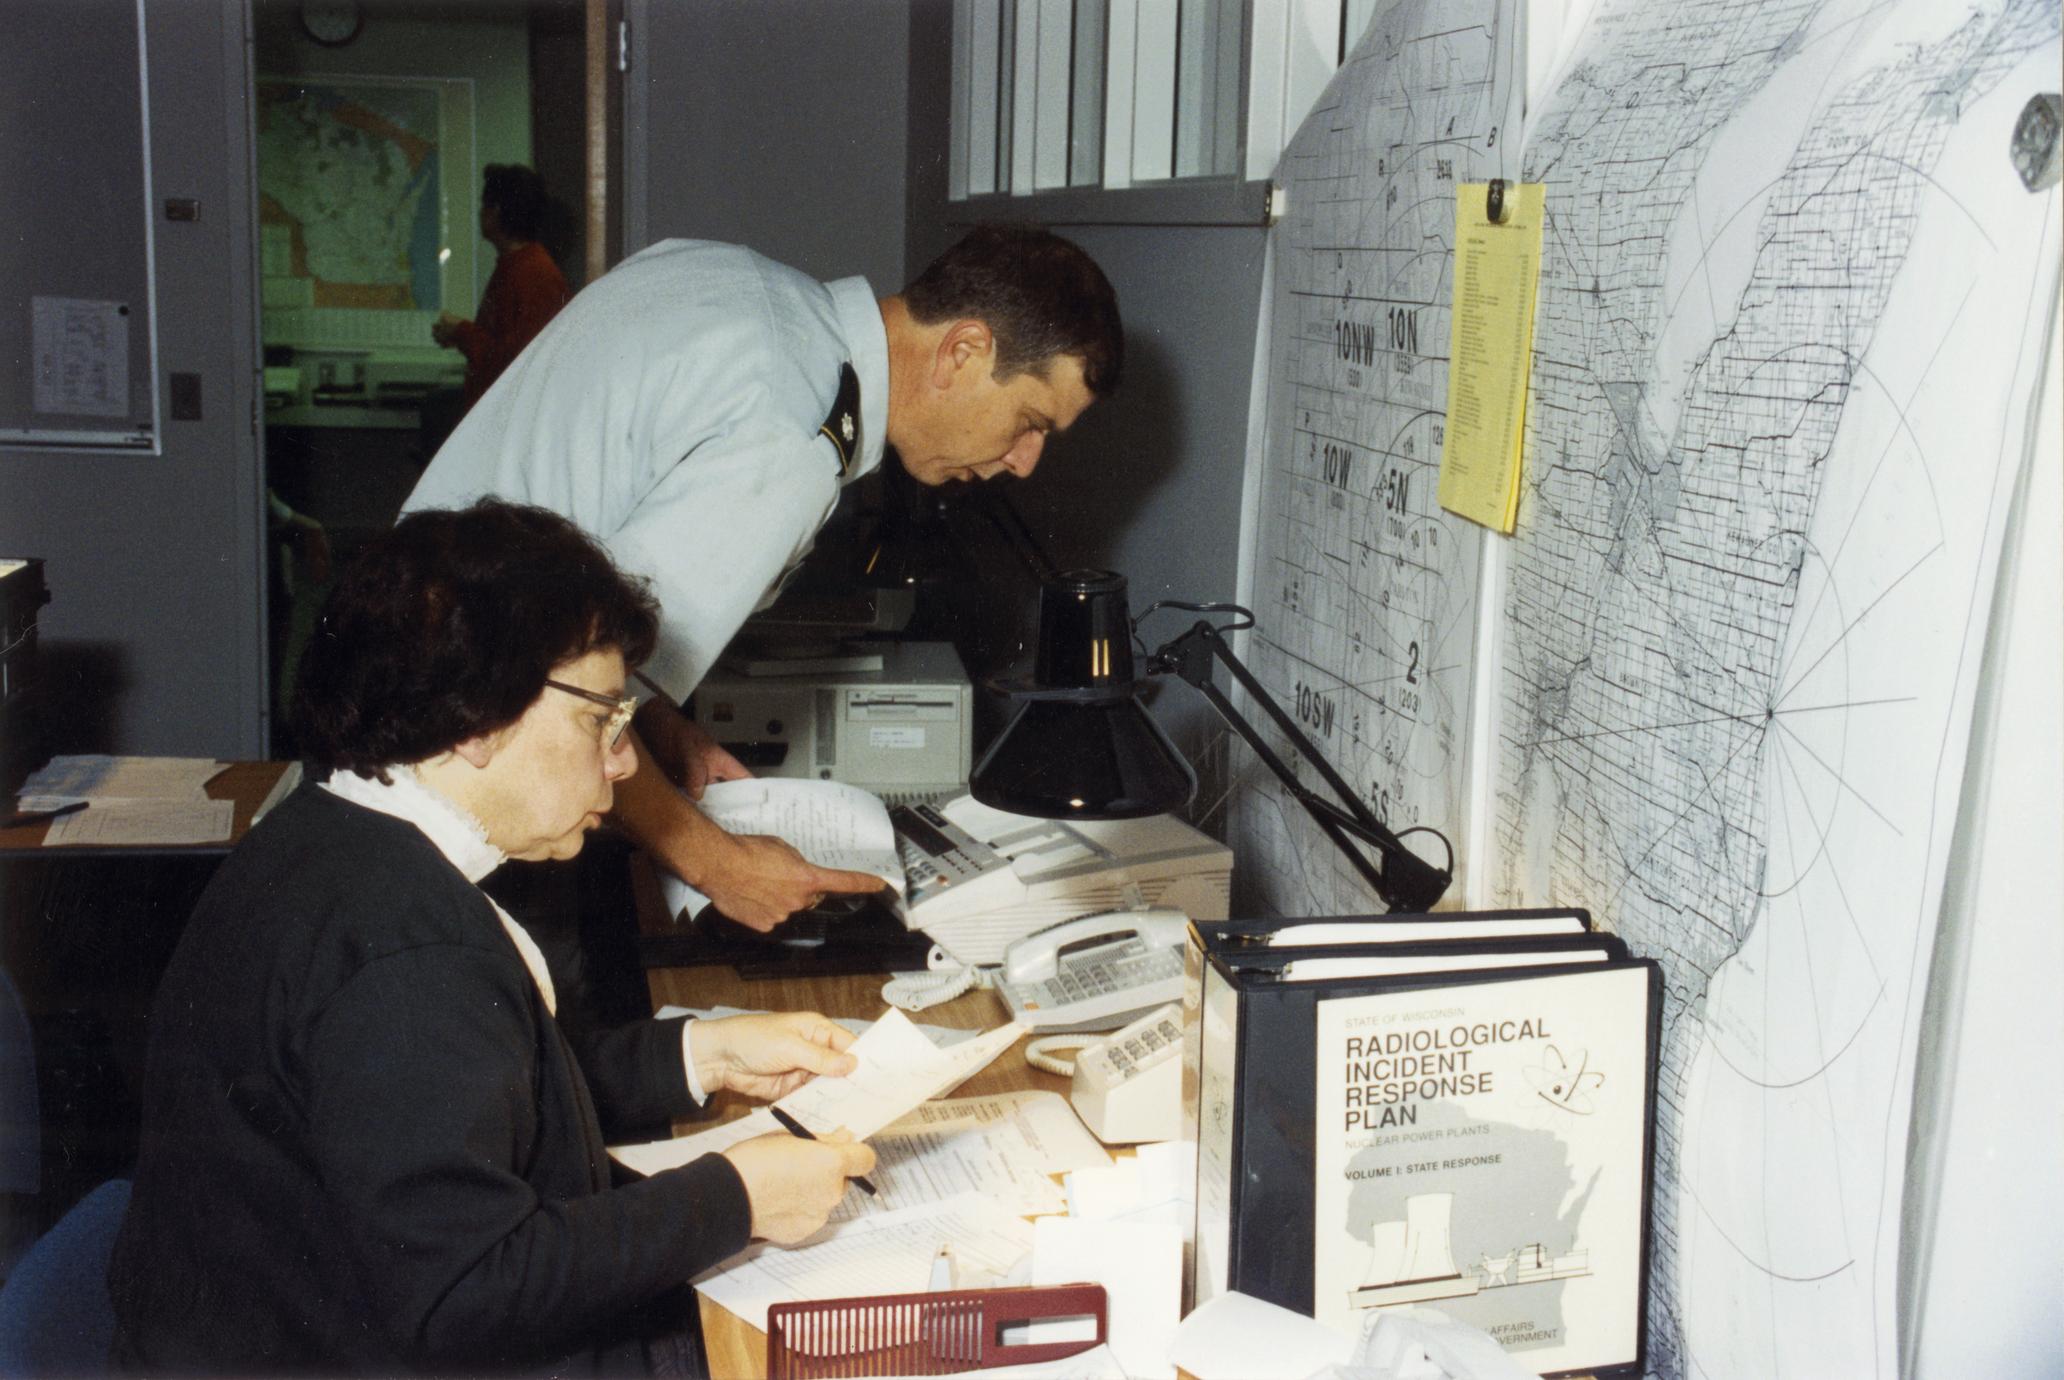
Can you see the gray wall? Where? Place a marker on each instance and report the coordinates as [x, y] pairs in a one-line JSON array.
[[1149, 482], [153, 639], [777, 124]]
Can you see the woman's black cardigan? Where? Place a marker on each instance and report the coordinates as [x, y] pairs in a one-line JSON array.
[[367, 1144]]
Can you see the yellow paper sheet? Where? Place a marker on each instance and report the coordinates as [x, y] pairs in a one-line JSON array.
[[1497, 268]]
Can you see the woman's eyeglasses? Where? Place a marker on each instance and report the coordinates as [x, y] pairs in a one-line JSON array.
[[620, 710]]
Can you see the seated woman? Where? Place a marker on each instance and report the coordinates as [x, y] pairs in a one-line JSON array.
[[367, 1144]]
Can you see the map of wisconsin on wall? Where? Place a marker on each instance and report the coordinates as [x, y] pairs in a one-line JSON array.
[[1793, 300], [365, 198], [1363, 587], [1793, 308]]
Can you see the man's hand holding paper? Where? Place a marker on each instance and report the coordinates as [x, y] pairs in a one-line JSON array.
[[778, 845]]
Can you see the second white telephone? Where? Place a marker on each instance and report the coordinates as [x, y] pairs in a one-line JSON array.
[[1097, 972], [1129, 1088]]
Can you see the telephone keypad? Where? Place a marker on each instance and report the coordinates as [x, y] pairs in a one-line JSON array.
[[1117, 969], [1130, 1054]]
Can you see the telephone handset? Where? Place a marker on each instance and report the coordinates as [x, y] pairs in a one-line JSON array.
[[1097, 972]]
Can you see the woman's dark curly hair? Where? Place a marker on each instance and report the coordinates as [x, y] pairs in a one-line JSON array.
[[446, 626]]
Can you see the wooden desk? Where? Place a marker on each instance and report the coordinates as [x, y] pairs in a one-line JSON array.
[[244, 784], [737, 1348], [85, 934]]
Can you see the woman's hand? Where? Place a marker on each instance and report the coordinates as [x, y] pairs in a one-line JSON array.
[[768, 1056], [793, 1184]]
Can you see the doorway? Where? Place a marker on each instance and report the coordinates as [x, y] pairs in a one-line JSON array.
[[375, 121]]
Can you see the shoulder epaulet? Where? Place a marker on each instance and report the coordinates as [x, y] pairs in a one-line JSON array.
[[842, 426]]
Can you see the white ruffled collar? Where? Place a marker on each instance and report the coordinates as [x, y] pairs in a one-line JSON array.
[[455, 833], [447, 824]]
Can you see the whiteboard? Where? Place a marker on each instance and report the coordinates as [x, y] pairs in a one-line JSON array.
[[78, 326]]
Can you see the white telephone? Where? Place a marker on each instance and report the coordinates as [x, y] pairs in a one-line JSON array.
[[1129, 1088], [1097, 972]]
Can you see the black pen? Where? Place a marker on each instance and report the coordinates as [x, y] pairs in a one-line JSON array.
[[796, 1128], [22, 817]]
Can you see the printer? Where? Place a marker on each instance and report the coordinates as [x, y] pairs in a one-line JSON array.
[[894, 718]]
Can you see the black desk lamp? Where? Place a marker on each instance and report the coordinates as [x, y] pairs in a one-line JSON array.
[[1083, 747]]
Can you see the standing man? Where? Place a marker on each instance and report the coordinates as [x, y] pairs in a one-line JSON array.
[[699, 409], [526, 289]]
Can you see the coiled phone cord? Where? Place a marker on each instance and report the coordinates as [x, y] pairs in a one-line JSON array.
[[945, 978]]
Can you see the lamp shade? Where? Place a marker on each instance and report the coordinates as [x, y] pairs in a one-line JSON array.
[[1082, 746], [1062, 760]]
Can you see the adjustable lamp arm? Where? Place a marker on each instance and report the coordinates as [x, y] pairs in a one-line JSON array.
[[1004, 516], [1406, 882]]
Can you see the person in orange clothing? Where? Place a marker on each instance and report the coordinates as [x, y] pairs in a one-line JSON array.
[[526, 290]]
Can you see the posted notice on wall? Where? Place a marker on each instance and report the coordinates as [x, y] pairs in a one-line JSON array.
[[1497, 274], [82, 356]]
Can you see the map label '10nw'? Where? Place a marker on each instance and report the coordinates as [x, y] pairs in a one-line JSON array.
[[1355, 341]]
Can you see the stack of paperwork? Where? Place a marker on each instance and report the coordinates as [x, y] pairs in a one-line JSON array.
[[130, 800], [958, 1181]]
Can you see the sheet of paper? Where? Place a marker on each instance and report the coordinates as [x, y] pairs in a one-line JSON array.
[[1409, 1341], [940, 1035], [913, 1167], [289, 781], [1140, 1266], [1031, 1133], [886, 1254], [1157, 1185], [830, 823], [1101, 1194], [1239, 1337], [1044, 1120], [143, 821], [649, 1157], [97, 776], [1097, 1363], [82, 356], [899, 1068], [1497, 269]]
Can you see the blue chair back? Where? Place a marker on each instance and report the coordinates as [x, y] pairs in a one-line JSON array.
[[55, 1317]]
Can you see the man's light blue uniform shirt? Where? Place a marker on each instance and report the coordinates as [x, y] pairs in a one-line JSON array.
[[672, 410]]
